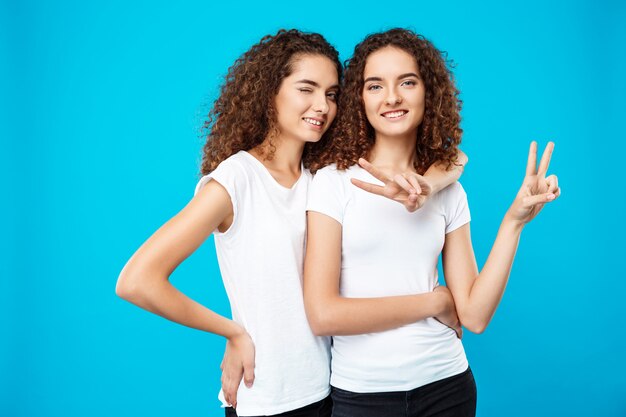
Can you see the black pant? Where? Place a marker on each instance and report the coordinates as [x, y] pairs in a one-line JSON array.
[[321, 408], [450, 397]]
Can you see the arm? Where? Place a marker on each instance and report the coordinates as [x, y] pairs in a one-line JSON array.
[[411, 189], [331, 314], [439, 177], [144, 281], [477, 295]]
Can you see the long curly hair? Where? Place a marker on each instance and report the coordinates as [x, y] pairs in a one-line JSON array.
[[439, 134], [244, 114]]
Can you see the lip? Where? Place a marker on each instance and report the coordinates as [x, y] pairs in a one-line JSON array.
[[321, 122], [386, 115]]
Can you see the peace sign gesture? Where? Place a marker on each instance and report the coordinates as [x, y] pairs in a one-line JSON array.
[[537, 189], [410, 189]]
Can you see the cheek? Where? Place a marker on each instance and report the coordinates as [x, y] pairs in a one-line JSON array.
[[332, 113], [371, 106], [290, 102], [421, 98]]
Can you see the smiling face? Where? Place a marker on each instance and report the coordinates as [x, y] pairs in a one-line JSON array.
[[393, 93], [306, 103]]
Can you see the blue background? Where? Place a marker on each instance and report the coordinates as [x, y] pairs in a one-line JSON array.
[[100, 111]]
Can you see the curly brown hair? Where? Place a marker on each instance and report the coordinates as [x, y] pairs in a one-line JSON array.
[[439, 134], [244, 113]]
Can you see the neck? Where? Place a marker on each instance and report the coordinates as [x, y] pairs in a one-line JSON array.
[[287, 155], [394, 153]]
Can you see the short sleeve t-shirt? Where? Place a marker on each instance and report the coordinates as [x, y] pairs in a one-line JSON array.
[[261, 259], [387, 251]]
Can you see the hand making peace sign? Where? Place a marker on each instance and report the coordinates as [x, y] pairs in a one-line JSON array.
[[537, 189], [410, 189]]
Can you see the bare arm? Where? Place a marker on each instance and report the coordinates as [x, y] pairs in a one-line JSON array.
[[477, 295], [144, 281], [331, 314], [409, 188], [439, 177]]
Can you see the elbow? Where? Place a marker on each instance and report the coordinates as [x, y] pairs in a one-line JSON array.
[[128, 288], [321, 329], [475, 325], [319, 321], [476, 328]]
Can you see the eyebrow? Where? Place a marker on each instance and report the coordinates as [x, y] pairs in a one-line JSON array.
[[314, 84], [401, 76]]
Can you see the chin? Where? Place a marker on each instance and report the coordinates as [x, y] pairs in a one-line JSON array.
[[399, 131], [312, 138]]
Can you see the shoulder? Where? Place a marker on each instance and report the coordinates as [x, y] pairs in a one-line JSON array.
[[328, 169], [453, 201], [331, 176], [331, 171], [453, 191], [233, 173], [331, 182], [238, 162], [238, 168]]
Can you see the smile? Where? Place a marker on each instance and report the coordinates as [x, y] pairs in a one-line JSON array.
[[394, 114], [313, 122]]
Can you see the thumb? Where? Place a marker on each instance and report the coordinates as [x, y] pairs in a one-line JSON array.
[[538, 199]]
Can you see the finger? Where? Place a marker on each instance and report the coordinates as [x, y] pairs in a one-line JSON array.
[[411, 203], [402, 182], [369, 187], [226, 396], [233, 397], [553, 183], [423, 183], [248, 373], [415, 183], [531, 165], [372, 170], [533, 200], [545, 159], [230, 393], [557, 193]]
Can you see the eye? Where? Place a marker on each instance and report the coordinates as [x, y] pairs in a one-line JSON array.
[[305, 90], [374, 87], [409, 83], [332, 95]]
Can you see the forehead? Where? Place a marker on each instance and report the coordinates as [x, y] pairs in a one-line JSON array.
[[389, 61], [314, 67]]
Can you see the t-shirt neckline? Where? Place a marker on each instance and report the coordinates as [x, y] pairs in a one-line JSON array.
[[263, 168]]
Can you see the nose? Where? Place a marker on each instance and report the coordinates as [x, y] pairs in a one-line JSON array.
[[321, 105], [393, 98]]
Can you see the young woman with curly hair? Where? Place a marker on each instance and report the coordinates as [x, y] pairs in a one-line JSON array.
[[277, 100], [399, 109]]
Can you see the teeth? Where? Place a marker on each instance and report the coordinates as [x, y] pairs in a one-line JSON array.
[[394, 114], [312, 121]]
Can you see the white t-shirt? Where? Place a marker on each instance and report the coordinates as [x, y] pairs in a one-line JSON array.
[[387, 251], [261, 260]]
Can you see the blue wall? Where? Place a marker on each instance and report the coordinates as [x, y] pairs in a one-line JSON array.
[[101, 104]]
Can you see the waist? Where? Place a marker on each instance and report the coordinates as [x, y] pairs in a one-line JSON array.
[[397, 360]]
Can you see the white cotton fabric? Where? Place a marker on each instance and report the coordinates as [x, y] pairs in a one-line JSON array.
[[387, 251], [261, 261]]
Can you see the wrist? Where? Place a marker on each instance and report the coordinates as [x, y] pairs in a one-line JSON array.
[[440, 304], [234, 331], [511, 223]]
